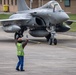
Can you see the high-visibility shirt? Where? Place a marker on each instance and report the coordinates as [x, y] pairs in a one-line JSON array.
[[20, 50]]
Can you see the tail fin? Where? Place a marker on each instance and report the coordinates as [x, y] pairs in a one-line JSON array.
[[22, 5]]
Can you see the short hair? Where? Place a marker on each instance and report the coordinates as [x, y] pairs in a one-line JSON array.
[[19, 39]]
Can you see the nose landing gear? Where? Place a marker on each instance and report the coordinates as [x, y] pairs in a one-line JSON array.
[[51, 37]]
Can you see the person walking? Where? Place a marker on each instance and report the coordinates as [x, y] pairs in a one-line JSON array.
[[20, 53]]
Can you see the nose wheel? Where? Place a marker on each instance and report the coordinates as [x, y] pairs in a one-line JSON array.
[[55, 41]]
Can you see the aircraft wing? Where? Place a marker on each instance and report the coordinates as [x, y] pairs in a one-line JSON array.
[[14, 19], [3, 21]]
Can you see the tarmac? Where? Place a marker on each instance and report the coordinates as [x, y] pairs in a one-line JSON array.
[[40, 58]]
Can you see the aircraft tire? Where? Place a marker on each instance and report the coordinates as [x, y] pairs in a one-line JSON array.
[[50, 41], [17, 35], [55, 41]]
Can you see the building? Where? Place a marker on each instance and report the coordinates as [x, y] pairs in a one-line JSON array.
[[67, 5]]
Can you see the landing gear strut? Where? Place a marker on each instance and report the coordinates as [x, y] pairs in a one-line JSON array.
[[51, 37]]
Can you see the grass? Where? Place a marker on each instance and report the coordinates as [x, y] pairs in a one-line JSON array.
[[4, 16], [72, 17], [73, 26]]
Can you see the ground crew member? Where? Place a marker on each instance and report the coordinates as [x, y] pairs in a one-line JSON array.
[[20, 53]]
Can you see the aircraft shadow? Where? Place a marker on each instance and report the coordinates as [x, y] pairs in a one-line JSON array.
[[43, 41], [6, 40], [66, 40]]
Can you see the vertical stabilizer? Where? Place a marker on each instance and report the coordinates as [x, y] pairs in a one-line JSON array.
[[22, 5]]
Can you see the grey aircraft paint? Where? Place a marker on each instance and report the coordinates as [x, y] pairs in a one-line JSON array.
[[44, 21]]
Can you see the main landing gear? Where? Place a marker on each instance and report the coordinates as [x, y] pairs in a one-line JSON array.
[[51, 37], [19, 34]]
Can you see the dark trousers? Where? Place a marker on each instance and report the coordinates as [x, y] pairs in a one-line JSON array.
[[20, 62]]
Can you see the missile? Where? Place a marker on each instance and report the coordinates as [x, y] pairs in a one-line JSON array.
[[11, 28]]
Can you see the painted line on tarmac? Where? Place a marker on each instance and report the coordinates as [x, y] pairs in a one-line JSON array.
[[35, 41]]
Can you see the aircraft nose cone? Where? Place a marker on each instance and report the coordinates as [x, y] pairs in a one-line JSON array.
[[60, 17], [64, 17]]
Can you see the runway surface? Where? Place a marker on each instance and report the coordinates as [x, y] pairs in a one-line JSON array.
[[40, 58]]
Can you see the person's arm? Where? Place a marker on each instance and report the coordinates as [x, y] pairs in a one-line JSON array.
[[25, 43]]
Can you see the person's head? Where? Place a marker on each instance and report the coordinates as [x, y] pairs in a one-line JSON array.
[[19, 40]]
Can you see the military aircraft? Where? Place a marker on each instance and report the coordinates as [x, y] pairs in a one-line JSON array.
[[43, 21]]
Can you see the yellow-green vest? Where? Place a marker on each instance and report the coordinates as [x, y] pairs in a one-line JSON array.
[[20, 50]]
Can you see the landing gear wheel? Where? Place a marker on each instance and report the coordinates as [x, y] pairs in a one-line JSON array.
[[55, 41], [50, 41], [17, 35]]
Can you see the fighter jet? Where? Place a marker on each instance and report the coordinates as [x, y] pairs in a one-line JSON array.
[[43, 21]]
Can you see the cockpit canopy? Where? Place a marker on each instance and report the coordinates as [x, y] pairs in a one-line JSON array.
[[55, 5], [52, 5]]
